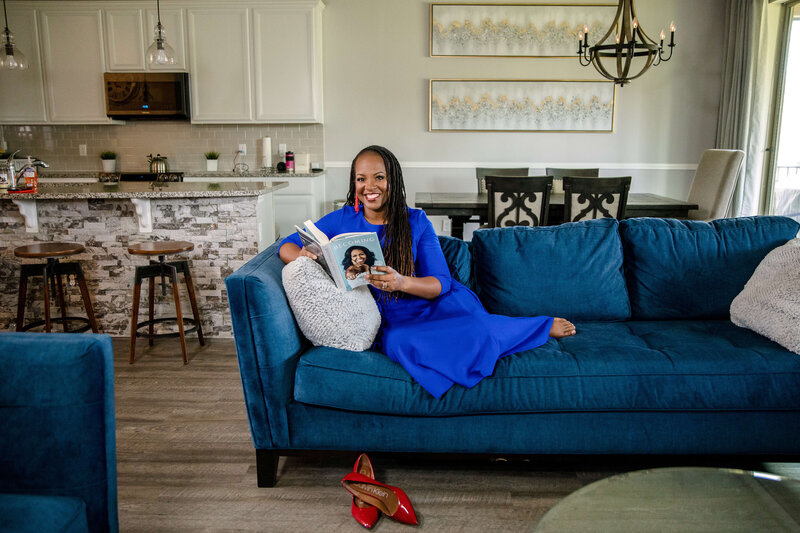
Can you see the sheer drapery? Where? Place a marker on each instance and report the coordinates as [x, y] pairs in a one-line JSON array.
[[747, 74]]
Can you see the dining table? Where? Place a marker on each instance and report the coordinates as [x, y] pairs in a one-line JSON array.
[[460, 207]]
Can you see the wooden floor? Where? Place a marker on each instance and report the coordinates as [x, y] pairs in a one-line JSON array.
[[186, 462]]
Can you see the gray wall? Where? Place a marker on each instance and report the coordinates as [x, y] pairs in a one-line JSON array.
[[377, 65]]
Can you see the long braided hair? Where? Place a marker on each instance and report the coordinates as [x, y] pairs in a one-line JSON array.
[[396, 244]]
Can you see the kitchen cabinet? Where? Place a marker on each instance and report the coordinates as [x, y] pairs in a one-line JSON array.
[[74, 62], [129, 31], [259, 63], [288, 83], [303, 199], [219, 41], [23, 98]]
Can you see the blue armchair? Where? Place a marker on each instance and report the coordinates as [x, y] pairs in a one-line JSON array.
[[57, 446]]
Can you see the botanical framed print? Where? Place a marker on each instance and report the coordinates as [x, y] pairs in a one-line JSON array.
[[521, 105], [515, 30]]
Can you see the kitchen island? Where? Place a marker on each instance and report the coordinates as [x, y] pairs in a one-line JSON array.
[[228, 223]]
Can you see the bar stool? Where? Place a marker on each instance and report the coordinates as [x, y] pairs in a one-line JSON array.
[[163, 269], [51, 273]]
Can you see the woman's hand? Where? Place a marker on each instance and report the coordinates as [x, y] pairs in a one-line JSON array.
[[306, 253], [391, 281]]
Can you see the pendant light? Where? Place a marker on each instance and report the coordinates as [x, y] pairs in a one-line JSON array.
[[614, 61], [159, 53], [10, 56]]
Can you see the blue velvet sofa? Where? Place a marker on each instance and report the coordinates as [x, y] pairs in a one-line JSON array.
[[57, 444], [657, 367]]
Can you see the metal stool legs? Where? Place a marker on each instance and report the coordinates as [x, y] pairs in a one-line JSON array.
[[51, 273], [164, 270]]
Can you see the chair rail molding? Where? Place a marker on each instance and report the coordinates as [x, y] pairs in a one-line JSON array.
[[535, 164]]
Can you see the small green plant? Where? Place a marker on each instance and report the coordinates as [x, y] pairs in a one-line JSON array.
[[108, 154], [212, 155]]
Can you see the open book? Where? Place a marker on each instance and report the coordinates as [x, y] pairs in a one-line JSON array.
[[347, 257]]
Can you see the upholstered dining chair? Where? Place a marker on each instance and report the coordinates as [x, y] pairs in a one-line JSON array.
[[518, 200], [559, 173], [481, 173], [590, 198], [714, 183]]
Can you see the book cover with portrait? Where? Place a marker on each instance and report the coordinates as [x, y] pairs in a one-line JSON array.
[[347, 257]]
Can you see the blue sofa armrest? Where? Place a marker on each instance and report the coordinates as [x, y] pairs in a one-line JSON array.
[[57, 415], [268, 345]]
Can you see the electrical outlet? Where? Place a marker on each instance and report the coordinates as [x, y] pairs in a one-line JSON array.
[[82, 149], [243, 149]]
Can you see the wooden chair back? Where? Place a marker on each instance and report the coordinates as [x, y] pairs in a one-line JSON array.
[[518, 201], [590, 198], [482, 172]]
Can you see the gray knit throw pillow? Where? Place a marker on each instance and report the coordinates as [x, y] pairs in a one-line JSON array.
[[326, 315], [770, 301]]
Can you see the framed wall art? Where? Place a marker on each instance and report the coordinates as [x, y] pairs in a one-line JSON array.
[[521, 105], [515, 30]]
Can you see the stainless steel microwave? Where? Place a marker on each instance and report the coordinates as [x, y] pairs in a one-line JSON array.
[[147, 95]]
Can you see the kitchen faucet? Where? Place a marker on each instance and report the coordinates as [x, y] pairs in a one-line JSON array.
[[16, 176]]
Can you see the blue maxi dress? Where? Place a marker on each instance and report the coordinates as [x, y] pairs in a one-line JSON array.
[[450, 339]]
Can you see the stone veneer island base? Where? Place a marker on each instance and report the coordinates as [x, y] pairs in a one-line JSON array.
[[228, 223]]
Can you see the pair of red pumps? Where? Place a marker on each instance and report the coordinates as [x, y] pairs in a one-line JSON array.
[[371, 498]]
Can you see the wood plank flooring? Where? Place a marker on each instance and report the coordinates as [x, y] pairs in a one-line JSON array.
[[186, 462]]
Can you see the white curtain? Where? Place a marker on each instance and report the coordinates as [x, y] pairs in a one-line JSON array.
[[747, 74]]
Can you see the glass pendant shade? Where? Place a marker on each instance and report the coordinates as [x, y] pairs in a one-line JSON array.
[[10, 56], [160, 53]]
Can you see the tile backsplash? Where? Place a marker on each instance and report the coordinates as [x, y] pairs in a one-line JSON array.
[[182, 142]]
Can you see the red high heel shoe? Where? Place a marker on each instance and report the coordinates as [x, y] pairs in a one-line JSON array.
[[391, 501], [364, 513]]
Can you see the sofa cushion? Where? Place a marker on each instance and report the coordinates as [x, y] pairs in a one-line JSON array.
[[23, 513], [573, 271], [685, 269], [459, 259], [608, 366]]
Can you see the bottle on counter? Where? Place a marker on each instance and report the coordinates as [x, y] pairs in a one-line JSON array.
[[30, 175], [290, 162], [5, 176]]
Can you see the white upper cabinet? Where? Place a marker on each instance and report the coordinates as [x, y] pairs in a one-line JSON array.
[[125, 38], [72, 52], [22, 100], [288, 63], [221, 83], [129, 31]]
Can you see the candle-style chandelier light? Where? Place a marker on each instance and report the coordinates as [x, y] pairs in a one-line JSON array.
[[631, 55]]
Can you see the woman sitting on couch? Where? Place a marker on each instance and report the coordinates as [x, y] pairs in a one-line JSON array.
[[435, 327]]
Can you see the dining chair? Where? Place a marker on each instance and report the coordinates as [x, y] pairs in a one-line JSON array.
[[590, 198], [714, 183], [559, 173], [481, 173], [518, 200]]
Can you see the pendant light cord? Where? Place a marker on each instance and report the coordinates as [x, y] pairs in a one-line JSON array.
[[5, 14]]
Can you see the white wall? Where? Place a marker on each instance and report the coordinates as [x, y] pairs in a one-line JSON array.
[[377, 65]]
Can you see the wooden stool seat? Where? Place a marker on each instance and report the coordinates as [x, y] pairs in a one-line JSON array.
[[52, 283], [49, 249], [165, 271], [160, 248]]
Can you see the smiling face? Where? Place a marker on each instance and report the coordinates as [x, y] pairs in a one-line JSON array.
[[357, 257], [372, 185]]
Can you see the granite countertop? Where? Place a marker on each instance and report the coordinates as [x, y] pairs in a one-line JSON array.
[[72, 174], [76, 191]]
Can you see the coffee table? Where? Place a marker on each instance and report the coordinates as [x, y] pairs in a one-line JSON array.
[[685, 499]]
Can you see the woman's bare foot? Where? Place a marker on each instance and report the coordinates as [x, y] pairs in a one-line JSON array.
[[562, 328]]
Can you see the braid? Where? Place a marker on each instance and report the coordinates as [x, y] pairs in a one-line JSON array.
[[397, 232]]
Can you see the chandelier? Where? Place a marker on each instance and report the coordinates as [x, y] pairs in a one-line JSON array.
[[616, 61]]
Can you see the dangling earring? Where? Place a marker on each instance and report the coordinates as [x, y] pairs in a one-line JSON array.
[[356, 202]]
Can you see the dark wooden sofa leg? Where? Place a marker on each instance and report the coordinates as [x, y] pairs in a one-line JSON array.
[[267, 467]]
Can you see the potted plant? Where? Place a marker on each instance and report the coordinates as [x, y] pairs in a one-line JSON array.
[[109, 158], [212, 160]]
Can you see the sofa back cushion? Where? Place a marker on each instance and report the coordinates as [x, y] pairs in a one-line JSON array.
[[685, 269], [459, 258], [573, 270]]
